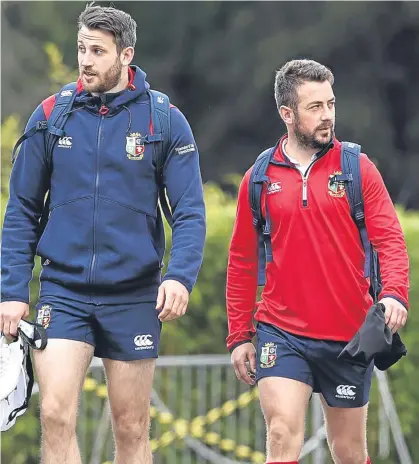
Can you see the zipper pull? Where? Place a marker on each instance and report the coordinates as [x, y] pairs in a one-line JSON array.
[[305, 201], [103, 109]]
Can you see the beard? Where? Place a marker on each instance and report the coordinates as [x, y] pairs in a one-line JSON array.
[[317, 139], [105, 81]]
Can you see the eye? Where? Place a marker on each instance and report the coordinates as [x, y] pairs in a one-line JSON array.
[[80, 48], [315, 107], [332, 104], [98, 51]]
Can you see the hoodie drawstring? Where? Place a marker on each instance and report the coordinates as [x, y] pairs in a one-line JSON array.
[[130, 118], [103, 109]]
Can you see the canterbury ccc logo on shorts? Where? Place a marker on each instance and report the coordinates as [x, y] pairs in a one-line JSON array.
[[345, 390], [143, 340]]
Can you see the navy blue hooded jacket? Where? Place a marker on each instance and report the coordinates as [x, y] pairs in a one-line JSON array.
[[104, 238]]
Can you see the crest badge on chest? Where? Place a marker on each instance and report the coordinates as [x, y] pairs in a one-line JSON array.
[[336, 189], [135, 147]]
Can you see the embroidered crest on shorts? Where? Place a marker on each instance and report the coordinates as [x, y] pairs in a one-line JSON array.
[[336, 189], [44, 316], [135, 146], [268, 355]]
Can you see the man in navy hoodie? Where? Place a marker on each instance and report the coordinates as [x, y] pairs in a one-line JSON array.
[[103, 245]]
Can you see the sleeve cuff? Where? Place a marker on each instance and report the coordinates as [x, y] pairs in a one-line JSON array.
[[397, 298], [181, 281], [17, 299], [233, 347]]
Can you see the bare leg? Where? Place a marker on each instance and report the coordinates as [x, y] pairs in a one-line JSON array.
[[129, 388], [284, 403], [346, 433], [61, 369]]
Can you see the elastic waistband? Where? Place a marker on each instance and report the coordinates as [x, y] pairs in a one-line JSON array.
[[148, 293]]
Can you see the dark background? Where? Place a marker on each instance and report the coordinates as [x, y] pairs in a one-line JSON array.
[[217, 61]]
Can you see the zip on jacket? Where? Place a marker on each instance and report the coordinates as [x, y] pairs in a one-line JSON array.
[[315, 285], [104, 240]]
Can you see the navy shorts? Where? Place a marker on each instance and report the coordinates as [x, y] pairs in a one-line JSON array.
[[344, 384], [123, 332]]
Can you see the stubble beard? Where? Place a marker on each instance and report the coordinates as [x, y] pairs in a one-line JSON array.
[[108, 80], [310, 140]]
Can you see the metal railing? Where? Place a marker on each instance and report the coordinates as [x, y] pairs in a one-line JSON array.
[[201, 414]]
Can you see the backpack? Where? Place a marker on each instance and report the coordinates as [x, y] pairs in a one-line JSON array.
[[54, 129], [350, 177]]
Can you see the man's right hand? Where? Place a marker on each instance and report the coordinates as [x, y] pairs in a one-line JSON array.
[[239, 357], [11, 312]]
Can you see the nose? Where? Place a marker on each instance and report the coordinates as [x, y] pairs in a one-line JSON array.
[[327, 114], [86, 60]]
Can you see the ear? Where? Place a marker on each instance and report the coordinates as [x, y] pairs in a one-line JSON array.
[[287, 114], [127, 56]]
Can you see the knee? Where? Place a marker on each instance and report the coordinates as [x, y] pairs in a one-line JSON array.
[[346, 451], [130, 429], [56, 417], [283, 435]]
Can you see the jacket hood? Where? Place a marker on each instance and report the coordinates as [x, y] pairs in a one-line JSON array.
[[137, 86]]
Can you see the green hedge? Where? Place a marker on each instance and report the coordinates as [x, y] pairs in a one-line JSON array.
[[204, 328]]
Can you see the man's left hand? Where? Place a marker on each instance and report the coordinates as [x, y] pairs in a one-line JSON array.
[[172, 299], [395, 313]]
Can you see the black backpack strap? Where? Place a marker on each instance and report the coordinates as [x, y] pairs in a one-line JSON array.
[[39, 126], [257, 179], [160, 117], [351, 177], [27, 365]]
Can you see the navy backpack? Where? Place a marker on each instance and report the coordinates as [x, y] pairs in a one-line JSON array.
[[350, 177], [54, 129]]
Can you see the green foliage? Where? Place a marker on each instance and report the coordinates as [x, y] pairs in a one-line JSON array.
[[204, 328], [20, 445], [217, 61], [206, 314], [404, 375], [59, 73], [10, 130]]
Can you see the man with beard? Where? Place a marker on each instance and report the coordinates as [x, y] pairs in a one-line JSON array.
[[315, 297], [102, 248]]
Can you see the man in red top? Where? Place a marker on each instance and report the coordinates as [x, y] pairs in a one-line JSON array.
[[316, 297]]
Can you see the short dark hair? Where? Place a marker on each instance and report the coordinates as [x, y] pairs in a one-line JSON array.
[[295, 73], [119, 23]]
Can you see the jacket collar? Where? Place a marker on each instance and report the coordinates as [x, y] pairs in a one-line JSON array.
[[113, 102], [280, 158]]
